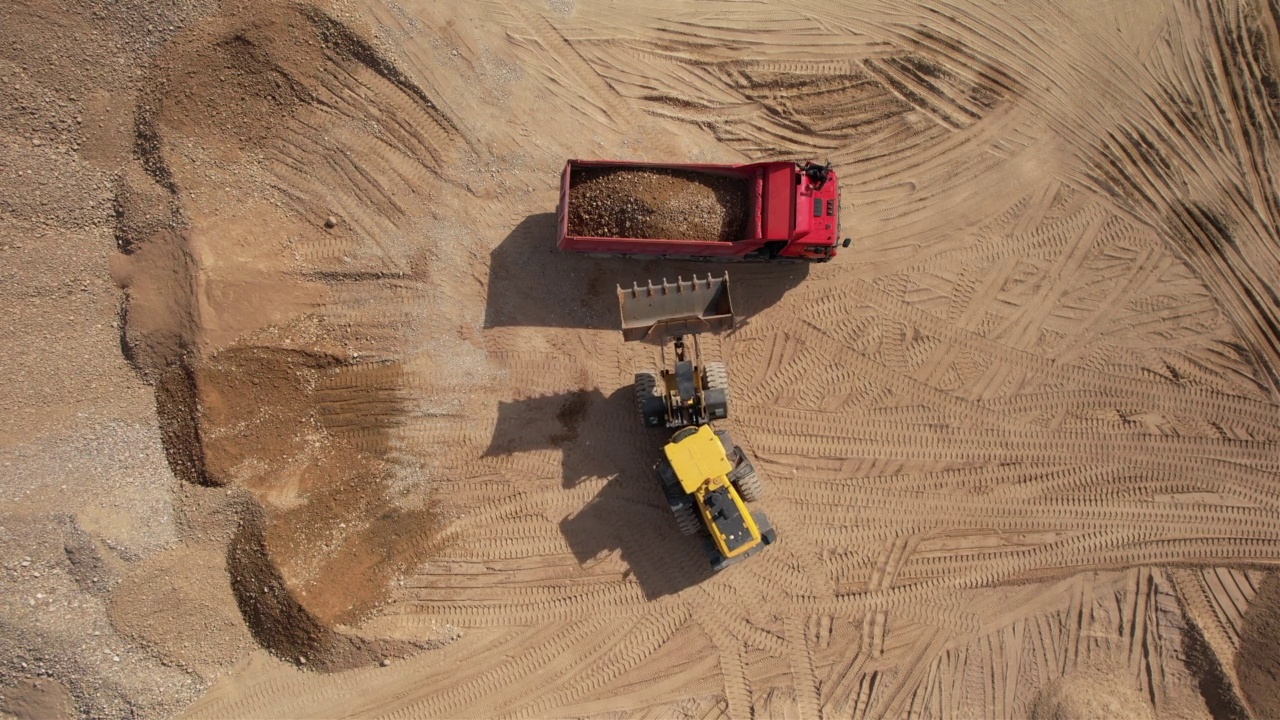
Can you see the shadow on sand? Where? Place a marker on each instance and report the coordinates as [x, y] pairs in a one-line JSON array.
[[602, 437], [534, 284]]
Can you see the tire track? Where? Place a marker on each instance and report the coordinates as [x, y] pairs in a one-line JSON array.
[[818, 351], [737, 688], [803, 676], [610, 106], [1099, 510], [1160, 395], [595, 673], [1197, 606], [503, 675], [800, 432]]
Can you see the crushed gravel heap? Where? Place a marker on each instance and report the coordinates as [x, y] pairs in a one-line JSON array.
[[650, 203]]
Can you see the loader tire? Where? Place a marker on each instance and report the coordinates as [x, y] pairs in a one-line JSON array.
[[716, 382], [717, 376], [648, 402], [730, 449], [686, 519], [749, 486]]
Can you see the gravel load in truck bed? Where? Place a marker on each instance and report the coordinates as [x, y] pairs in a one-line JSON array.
[[653, 203]]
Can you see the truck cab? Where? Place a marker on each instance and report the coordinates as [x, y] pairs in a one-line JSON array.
[[800, 211]]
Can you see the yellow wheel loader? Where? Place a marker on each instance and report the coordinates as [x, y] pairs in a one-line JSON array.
[[707, 479]]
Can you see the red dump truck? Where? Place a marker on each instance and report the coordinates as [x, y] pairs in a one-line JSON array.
[[765, 212]]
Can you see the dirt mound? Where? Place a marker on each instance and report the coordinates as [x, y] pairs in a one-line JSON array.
[[158, 323], [228, 83], [1091, 696], [158, 328], [142, 208], [282, 624], [254, 66], [1257, 663], [211, 316], [329, 536], [258, 414], [40, 699], [332, 531], [179, 604], [657, 204]]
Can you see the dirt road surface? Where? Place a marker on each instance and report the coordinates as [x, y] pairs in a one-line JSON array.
[[303, 415]]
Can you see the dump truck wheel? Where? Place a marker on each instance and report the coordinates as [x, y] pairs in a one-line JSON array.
[[686, 518], [749, 486]]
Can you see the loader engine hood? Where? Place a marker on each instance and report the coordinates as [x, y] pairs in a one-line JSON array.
[[730, 527], [698, 459]]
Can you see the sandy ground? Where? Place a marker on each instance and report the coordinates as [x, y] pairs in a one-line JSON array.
[[303, 415]]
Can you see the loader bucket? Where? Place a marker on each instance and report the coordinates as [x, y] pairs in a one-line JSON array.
[[684, 307]]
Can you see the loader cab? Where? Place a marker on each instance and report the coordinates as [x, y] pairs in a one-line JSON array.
[[697, 457]]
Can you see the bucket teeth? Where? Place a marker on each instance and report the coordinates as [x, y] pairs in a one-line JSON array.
[[658, 310]]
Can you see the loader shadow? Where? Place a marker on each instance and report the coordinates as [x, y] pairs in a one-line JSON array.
[[602, 437], [534, 284], [596, 433], [541, 422], [630, 516]]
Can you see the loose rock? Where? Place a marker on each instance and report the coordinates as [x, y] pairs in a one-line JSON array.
[[654, 203]]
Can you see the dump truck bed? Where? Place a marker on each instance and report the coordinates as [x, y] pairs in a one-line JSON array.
[[785, 215]]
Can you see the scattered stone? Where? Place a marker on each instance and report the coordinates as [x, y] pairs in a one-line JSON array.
[[657, 203], [330, 222]]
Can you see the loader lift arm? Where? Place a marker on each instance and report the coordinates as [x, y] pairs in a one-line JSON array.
[[691, 392]]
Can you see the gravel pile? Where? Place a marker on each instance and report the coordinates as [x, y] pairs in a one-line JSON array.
[[634, 203]]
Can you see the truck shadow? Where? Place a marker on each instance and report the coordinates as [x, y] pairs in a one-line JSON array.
[[534, 284], [601, 437]]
